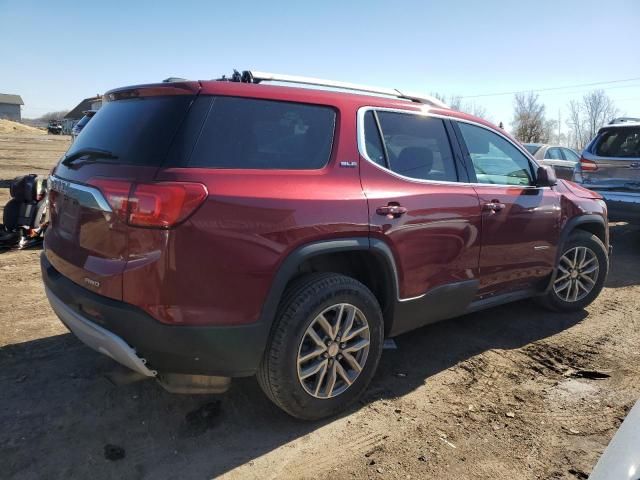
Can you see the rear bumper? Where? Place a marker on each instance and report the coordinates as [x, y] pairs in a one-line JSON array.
[[135, 339], [622, 206]]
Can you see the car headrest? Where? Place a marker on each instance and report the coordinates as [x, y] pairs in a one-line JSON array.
[[25, 188], [414, 162]]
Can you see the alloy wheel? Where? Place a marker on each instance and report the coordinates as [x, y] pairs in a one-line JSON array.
[[333, 351], [577, 274]]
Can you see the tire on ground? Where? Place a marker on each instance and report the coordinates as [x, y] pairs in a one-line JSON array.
[[302, 301], [580, 238]]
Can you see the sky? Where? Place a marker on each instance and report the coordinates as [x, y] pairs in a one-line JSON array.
[[55, 53]]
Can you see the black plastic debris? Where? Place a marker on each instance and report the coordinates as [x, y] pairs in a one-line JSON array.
[[113, 452]]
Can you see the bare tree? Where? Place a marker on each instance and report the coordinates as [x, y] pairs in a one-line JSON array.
[[599, 110], [455, 102], [529, 121], [59, 115], [587, 116]]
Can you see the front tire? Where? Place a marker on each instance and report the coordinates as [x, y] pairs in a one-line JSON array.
[[324, 348], [580, 273]]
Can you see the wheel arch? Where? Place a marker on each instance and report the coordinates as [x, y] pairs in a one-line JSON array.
[[368, 260]]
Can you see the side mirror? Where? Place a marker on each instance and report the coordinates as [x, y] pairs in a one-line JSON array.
[[546, 176]]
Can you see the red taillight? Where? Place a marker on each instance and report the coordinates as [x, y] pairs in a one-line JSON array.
[[164, 204], [588, 165], [116, 193], [157, 205]]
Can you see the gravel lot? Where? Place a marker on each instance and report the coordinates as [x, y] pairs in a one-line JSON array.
[[501, 394]]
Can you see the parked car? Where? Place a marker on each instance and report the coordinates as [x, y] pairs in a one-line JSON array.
[[610, 165], [621, 459], [216, 229], [77, 128], [54, 127], [562, 159]]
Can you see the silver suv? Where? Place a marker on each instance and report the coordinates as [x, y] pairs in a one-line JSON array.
[[610, 165]]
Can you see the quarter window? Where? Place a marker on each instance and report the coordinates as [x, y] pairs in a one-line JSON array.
[[263, 134], [570, 155], [495, 160], [415, 146]]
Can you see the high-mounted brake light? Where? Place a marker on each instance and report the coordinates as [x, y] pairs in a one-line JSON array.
[[588, 165], [154, 205]]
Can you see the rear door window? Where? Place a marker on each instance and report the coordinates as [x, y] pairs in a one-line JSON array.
[[247, 133], [135, 131], [619, 142], [415, 146], [553, 154]]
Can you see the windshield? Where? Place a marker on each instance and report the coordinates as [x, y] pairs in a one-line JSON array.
[[137, 131]]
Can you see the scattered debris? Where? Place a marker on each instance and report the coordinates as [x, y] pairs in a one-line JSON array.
[[21, 379], [590, 374], [390, 344], [113, 452], [510, 414], [578, 474], [400, 374], [423, 458], [202, 419], [375, 449], [448, 442]]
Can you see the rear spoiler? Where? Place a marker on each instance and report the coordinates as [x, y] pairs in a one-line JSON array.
[[153, 90]]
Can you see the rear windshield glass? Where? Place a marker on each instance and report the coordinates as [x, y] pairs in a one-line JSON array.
[[263, 134], [532, 149], [83, 121], [619, 142], [137, 131]]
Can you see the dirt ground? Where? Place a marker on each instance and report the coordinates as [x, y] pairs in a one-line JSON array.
[[500, 394]]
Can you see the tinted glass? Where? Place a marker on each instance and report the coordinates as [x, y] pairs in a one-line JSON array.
[[570, 155], [495, 160], [262, 134], [619, 142], [137, 131], [417, 146], [373, 144], [531, 148], [83, 121], [553, 154]]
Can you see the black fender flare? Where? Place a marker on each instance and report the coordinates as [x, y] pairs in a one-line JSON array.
[[290, 264]]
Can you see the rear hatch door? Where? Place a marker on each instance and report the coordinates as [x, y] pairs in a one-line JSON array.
[[126, 141], [613, 160]]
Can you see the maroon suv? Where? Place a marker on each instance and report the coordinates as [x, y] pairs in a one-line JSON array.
[[216, 229]]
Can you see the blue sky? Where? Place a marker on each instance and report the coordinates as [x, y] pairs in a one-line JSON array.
[[54, 53]]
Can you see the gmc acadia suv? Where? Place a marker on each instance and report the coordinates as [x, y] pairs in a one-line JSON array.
[[216, 229]]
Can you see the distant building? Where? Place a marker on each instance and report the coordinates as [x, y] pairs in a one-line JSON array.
[[74, 116], [10, 107]]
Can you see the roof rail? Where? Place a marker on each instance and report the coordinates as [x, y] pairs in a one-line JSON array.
[[624, 120], [249, 76]]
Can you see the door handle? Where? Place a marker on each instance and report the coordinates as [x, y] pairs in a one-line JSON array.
[[391, 211], [494, 206]]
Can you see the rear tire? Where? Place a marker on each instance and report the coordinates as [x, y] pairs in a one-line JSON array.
[[581, 272], [326, 322]]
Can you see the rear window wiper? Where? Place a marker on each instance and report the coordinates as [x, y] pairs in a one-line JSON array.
[[90, 153]]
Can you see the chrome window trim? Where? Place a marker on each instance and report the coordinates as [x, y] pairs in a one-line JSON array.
[[92, 197], [426, 113]]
